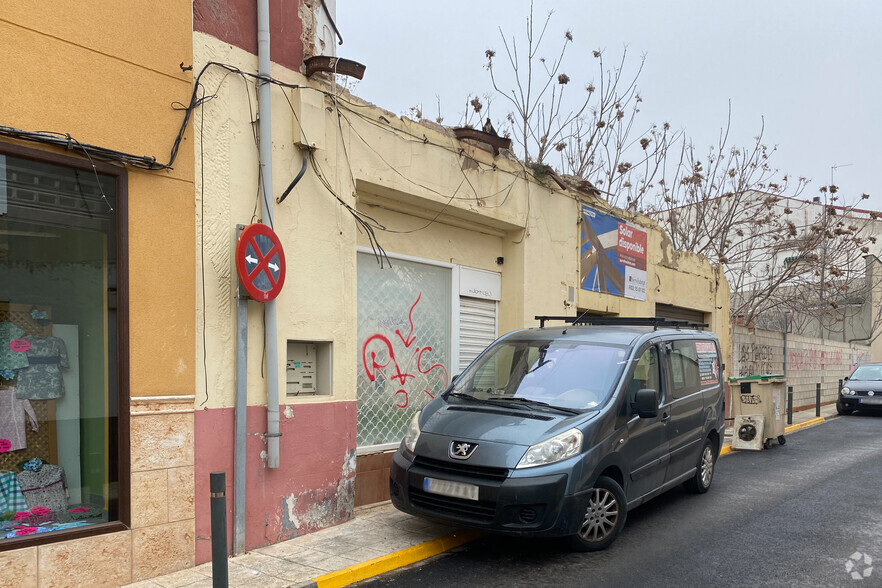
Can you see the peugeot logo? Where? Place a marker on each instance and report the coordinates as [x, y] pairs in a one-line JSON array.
[[461, 449]]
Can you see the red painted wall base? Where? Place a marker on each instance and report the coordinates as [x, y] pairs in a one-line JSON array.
[[313, 487]]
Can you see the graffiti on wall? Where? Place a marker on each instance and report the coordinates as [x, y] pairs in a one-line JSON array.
[[380, 360], [755, 359], [813, 359]]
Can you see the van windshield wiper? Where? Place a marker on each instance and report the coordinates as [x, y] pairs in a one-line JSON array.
[[471, 398], [539, 403]]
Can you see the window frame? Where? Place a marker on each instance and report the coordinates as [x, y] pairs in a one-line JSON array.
[[119, 426]]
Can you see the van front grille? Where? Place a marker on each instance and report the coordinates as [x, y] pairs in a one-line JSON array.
[[481, 511], [461, 469]]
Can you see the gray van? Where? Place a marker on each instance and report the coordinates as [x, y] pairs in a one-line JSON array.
[[559, 431]]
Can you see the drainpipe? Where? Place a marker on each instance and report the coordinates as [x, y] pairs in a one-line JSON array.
[[266, 176]]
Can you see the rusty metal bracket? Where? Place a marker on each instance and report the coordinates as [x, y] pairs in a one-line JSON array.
[[330, 64]]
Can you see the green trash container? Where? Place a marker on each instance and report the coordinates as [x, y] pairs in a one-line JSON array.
[[761, 396]]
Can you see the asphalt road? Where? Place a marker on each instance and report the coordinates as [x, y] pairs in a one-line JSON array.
[[794, 515]]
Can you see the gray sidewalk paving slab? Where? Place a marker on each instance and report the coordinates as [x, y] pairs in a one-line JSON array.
[[374, 532]]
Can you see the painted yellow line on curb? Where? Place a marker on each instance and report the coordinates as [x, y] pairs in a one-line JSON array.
[[799, 426], [790, 429], [386, 563]]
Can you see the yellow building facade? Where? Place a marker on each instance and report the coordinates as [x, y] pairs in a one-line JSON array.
[[97, 280]]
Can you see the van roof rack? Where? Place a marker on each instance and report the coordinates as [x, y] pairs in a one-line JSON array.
[[649, 321]]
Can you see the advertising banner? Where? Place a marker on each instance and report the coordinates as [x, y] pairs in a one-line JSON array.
[[613, 255]]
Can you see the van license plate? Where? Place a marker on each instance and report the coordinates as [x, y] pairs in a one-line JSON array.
[[448, 488], [866, 400]]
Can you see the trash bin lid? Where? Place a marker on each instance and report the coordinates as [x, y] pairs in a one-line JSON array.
[[759, 378]]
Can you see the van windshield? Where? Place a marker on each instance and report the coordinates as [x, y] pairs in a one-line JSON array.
[[569, 374]]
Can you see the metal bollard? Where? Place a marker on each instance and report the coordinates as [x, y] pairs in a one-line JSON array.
[[219, 568], [817, 399], [789, 405], [840, 386]]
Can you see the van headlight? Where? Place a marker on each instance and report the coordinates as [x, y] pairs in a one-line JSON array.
[[846, 391], [413, 433], [553, 450]]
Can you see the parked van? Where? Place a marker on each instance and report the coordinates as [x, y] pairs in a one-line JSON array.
[[559, 431]]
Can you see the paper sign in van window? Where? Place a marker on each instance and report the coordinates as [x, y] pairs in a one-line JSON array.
[[708, 362]]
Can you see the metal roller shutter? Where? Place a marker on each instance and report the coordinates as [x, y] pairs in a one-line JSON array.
[[678, 313], [477, 328]]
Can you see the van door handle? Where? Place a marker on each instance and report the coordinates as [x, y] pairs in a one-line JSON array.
[[665, 417]]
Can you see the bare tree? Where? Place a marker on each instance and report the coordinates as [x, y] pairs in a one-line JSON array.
[[595, 135], [728, 203], [782, 256]]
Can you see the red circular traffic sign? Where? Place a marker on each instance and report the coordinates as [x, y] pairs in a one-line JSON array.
[[260, 262]]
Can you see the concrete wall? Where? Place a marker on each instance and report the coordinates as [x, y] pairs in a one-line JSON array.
[[107, 74], [806, 361]]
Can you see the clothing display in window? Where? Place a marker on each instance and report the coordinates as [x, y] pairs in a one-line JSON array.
[[45, 487], [41, 380], [13, 413], [11, 497], [11, 359]]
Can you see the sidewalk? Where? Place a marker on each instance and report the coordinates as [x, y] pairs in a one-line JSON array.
[[376, 540]]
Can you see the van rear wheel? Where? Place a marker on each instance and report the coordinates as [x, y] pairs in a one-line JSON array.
[[704, 474], [604, 516]]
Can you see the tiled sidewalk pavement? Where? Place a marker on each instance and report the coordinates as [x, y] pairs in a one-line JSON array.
[[374, 532], [377, 539]]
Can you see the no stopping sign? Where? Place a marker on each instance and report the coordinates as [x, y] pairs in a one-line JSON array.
[[260, 262]]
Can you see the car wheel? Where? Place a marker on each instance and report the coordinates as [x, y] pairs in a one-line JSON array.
[[604, 516], [704, 473], [842, 410]]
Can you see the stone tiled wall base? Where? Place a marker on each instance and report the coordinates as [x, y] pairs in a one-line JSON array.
[[163, 549], [17, 567], [103, 560], [163, 489]]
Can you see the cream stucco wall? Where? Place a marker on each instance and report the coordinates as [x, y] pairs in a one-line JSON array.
[[429, 196]]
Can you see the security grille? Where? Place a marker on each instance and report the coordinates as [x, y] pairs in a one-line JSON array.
[[404, 328]]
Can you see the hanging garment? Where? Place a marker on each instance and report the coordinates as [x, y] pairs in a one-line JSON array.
[[46, 487], [41, 380], [12, 419], [11, 497], [10, 359]]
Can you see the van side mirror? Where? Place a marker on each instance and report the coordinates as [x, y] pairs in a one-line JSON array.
[[646, 403], [845, 379]]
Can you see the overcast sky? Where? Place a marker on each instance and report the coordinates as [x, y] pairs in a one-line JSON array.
[[811, 68]]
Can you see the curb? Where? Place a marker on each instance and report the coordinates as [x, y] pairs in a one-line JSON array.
[[399, 559], [405, 557]]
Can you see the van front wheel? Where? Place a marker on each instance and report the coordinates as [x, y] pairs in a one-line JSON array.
[[604, 517]]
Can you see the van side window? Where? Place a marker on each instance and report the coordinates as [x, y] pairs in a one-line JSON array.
[[683, 360], [646, 373]]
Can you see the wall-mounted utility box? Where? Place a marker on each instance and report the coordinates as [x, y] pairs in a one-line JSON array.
[[309, 118], [308, 368]]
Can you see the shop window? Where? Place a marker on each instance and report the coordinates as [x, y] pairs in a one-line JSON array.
[[59, 356], [404, 342]]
